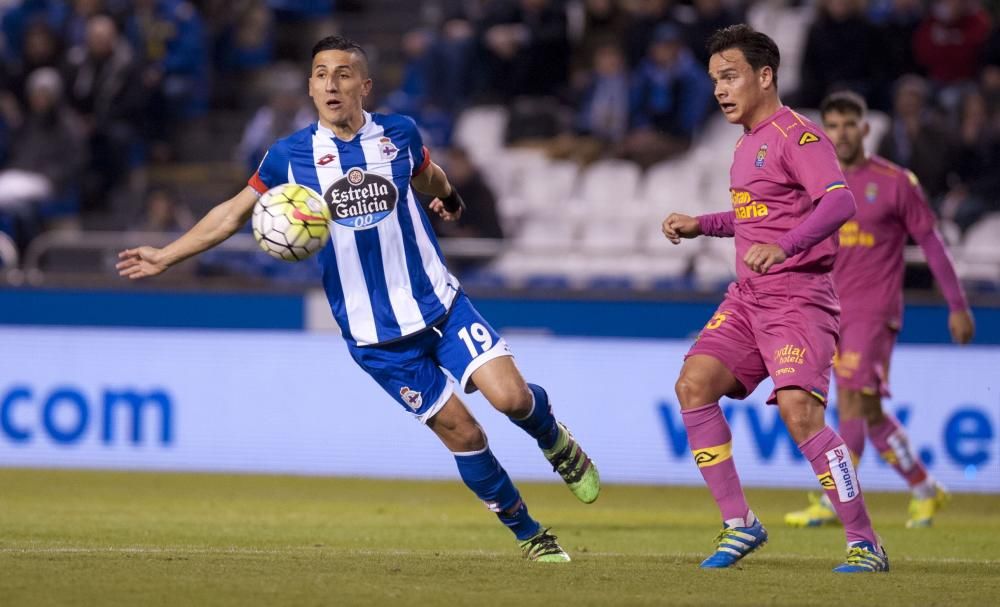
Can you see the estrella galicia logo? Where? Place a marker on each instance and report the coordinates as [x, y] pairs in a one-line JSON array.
[[359, 200]]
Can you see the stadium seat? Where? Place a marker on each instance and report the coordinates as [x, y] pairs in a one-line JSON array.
[[608, 187], [480, 131], [979, 255], [879, 123], [673, 187], [550, 188]]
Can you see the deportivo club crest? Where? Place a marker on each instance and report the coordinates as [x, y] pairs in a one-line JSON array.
[[387, 149], [871, 192], [412, 398], [761, 155]]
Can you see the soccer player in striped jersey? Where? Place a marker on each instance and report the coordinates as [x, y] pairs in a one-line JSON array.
[[403, 315], [780, 317], [868, 275]]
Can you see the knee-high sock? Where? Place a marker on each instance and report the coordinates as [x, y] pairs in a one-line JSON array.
[[711, 443], [894, 447], [831, 461], [482, 473], [540, 424], [853, 433]]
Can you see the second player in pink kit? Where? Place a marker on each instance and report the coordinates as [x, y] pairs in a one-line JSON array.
[[780, 318], [868, 275]]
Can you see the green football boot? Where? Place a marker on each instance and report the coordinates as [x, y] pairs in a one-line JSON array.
[[574, 466], [543, 548]]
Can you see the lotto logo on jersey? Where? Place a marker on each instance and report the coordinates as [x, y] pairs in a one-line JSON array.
[[359, 200]]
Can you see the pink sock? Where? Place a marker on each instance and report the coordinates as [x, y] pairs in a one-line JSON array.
[[894, 447], [831, 461], [711, 444], [853, 433]]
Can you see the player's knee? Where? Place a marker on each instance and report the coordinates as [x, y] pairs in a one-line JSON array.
[[691, 391], [467, 437], [515, 400], [802, 415], [874, 415]]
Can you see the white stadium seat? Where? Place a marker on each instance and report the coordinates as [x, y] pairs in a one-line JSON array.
[[480, 130]]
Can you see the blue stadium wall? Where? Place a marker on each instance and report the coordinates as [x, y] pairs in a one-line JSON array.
[[235, 382]]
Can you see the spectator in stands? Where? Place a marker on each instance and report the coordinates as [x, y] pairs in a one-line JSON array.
[[918, 138], [670, 97], [989, 77], [604, 103], [75, 27], [101, 82], [19, 18], [41, 48], [975, 181], [604, 22], [895, 23], [164, 212], [950, 39], [480, 218], [645, 16], [525, 48], [171, 42], [245, 43], [287, 111], [841, 53], [44, 168], [704, 19]]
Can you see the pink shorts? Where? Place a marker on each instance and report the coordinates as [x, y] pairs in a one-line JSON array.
[[863, 353], [783, 326]]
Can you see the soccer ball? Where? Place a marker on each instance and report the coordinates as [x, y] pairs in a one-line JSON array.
[[290, 222]]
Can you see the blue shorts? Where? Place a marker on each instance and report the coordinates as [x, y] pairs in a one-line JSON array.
[[411, 370]]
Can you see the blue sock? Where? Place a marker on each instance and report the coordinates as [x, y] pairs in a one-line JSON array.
[[540, 423], [489, 481]]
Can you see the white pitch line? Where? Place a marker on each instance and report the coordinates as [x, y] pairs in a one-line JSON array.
[[463, 553]]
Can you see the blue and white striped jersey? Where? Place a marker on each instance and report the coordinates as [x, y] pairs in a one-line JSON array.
[[383, 271]]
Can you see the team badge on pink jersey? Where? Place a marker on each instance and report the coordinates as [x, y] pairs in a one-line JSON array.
[[761, 156], [871, 191]]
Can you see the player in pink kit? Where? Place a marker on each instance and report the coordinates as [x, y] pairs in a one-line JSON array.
[[780, 318], [868, 275]]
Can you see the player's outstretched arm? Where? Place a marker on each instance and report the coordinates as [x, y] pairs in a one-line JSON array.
[[220, 223], [447, 202], [677, 226]]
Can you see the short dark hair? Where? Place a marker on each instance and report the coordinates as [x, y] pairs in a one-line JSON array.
[[758, 48], [843, 102], [339, 43]]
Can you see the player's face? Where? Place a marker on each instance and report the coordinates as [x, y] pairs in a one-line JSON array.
[[738, 88], [847, 131], [338, 85]]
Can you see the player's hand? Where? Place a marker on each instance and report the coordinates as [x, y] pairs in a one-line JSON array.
[[761, 257], [437, 205], [962, 326], [677, 226], [140, 263]]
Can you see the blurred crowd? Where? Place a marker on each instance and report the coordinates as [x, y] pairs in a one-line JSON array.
[[94, 91]]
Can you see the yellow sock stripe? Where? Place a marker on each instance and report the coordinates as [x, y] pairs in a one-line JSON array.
[[710, 456], [889, 457], [826, 481]]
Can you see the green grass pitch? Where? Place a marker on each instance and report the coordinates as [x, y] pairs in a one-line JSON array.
[[99, 538]]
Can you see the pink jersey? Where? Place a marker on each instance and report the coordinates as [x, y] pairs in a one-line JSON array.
[[780, 169], [869, 268]]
